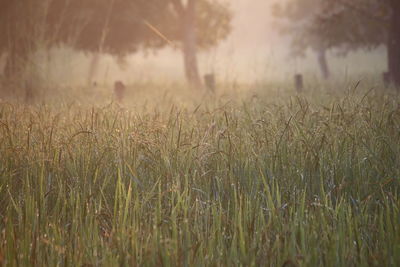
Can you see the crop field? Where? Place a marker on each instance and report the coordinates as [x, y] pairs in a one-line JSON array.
[[252, 176]]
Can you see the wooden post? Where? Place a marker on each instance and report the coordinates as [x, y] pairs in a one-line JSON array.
[[298, 82], [386, 79], [29, 93], [209, 81], [119, 90]]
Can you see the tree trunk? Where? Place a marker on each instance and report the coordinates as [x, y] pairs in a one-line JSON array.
[[16, 63], [323, 63], [15, 73], [394, 44], [190, 44], [3, 58], [10, 68]]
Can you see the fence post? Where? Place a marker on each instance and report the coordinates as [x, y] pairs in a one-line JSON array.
[[209, 81], [119, 90], [386, 79], [299, 83]]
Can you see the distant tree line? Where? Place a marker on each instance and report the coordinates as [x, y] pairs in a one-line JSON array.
[[114, 27], [344, 25]]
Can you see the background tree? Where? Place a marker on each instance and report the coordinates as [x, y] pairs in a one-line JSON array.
[[200, 23], [122, 27], [346, 26], [22, 27], [295, 18], [187, 21], [114, 27]]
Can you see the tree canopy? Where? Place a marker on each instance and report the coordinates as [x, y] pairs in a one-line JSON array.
[[115, 27], [341, 25], [344, 25], [123, 26]]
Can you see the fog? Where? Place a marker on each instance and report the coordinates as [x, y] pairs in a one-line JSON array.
[[254, 51]]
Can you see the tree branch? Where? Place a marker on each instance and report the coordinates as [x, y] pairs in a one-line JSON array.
[[180, 9], [363, 12]]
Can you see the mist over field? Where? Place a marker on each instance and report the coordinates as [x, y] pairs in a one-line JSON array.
[[254, 51], [199, 133]]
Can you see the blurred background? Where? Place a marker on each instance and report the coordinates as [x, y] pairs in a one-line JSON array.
[[97, 42]]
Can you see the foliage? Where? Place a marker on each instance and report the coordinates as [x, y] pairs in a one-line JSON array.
[[213, 23], [267, 180], [342, 25], [116, 27], [119, 26]]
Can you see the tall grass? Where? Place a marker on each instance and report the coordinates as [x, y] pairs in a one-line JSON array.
[[274, 180]]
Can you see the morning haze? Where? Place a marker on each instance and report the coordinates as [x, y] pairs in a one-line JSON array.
[[255, 49], [199, 133]]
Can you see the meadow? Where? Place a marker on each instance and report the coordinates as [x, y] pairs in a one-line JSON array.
[[259, 176]]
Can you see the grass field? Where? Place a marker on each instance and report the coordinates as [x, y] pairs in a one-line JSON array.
[[263, 177]]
